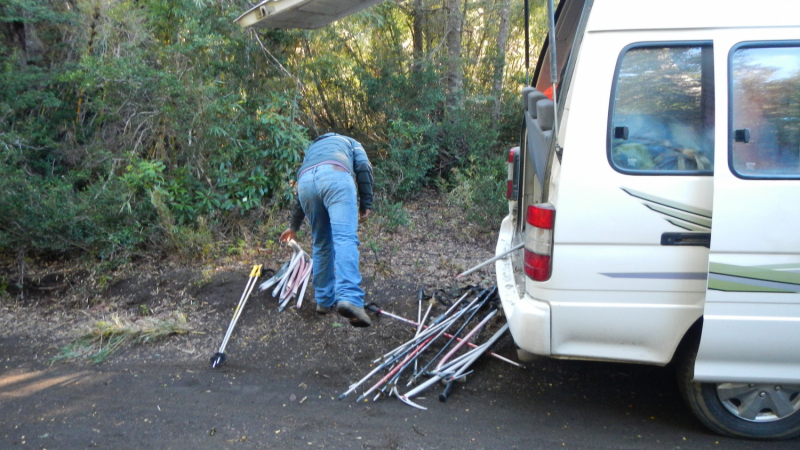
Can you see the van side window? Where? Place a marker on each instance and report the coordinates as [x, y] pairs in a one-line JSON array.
[[765, 111], [662, 110]]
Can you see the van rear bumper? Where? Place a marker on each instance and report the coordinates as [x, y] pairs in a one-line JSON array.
[[528, 318]]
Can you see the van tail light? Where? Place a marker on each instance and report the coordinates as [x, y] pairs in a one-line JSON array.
[[539, 241], [512, 188]]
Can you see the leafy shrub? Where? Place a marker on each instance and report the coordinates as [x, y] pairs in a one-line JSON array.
[[409, 161], [479, 189], [392, 215]]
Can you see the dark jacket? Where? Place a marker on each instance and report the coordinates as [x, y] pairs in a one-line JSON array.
[[332, 148]]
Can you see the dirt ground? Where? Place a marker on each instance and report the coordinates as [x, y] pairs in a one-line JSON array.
[[285, 370]]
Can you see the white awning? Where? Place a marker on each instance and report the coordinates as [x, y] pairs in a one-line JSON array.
[[306, 14]]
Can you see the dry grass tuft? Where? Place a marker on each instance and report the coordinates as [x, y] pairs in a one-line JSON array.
[[107, 337]]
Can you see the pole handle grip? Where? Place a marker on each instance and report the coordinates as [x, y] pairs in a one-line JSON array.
[[448, 388]]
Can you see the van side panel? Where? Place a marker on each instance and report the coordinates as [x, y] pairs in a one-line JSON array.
[[615, 292], [751, 326]]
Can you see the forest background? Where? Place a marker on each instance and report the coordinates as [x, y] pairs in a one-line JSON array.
[[157, 127]]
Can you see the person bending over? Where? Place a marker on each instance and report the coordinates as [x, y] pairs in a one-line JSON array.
[[327, 196]]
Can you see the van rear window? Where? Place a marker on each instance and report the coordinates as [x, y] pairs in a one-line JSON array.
[[765, 110], [662, 110]]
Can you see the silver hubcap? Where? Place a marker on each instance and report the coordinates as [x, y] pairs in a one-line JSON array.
[[759, 402]]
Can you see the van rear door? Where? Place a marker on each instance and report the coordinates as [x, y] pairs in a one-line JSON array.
[[751, 327]]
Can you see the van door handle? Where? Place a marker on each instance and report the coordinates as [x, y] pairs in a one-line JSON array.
[[692, 239]]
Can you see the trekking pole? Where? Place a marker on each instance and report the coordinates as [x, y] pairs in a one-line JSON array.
[[305, 283], [288, 274], [431, 381], [275, 278], [457, 302], [394, 374], [390, 358], [427, 332], [488, 297], [410, 351], [449, 369], [491, 260], [395, 369], [289, 288], [374, 308], [421, 320], [466, 338], [449, 386], [219, 358], [404, 346]]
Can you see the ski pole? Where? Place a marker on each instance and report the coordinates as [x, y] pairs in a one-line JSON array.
[[450, 368], [394, 370], [419, 321], [488, 296], [374, 308], [305, 283], [491, 260], [449, 387], [467, 338], [423, 319], [293, 262], [404, 346], [395, 373], [380, 367], [409, 351], [275, 277], [219, 358]]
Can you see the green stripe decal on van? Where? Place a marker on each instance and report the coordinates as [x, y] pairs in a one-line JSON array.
[[688, 226], [732, 286], [729, 277], [755, 273], [668, 203], [780, 266], [679, 214]]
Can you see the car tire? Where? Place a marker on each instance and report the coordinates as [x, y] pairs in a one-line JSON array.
[[706, 402]]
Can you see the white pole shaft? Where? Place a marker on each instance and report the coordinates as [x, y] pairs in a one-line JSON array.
[[491, 260]]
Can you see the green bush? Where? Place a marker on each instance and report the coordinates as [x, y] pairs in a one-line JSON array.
[[479, 188], [409, 161]]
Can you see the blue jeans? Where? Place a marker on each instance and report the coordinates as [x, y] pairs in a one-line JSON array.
[[328, 197]]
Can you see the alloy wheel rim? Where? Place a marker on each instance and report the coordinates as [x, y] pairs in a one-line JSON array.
[[759, 402]]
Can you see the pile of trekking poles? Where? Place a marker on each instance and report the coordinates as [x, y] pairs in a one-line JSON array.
[[289, 281], [450, 332]]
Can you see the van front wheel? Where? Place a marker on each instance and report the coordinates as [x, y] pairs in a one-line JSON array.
[[742, 410]]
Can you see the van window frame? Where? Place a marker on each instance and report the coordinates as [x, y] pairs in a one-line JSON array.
[[611, 104], [738, 46]]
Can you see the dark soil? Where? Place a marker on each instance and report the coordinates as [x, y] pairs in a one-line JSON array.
[[285, 370]]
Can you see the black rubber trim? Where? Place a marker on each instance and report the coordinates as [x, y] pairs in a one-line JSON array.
[[688, 239]]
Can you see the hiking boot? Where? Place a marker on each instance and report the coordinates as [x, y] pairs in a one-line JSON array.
[[323, 309], [357, 316]]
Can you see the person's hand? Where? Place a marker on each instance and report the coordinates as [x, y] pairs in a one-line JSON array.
[[288, 234], [364, 215]]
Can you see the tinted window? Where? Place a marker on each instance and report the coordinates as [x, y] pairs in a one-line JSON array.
[[765, 112], [662, 119]]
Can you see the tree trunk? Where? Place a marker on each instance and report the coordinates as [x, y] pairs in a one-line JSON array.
[[417, 36], [500, 61], [453, 40], [16, 37], [328, 113]]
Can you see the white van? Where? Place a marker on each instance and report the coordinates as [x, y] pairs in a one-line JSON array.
[[659, 202]]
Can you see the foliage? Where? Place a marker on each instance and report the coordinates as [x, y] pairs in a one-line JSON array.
[[161, 125], [391, 215], [478, 189]]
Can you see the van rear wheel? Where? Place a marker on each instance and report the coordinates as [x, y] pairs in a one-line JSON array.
[[742, 410]]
